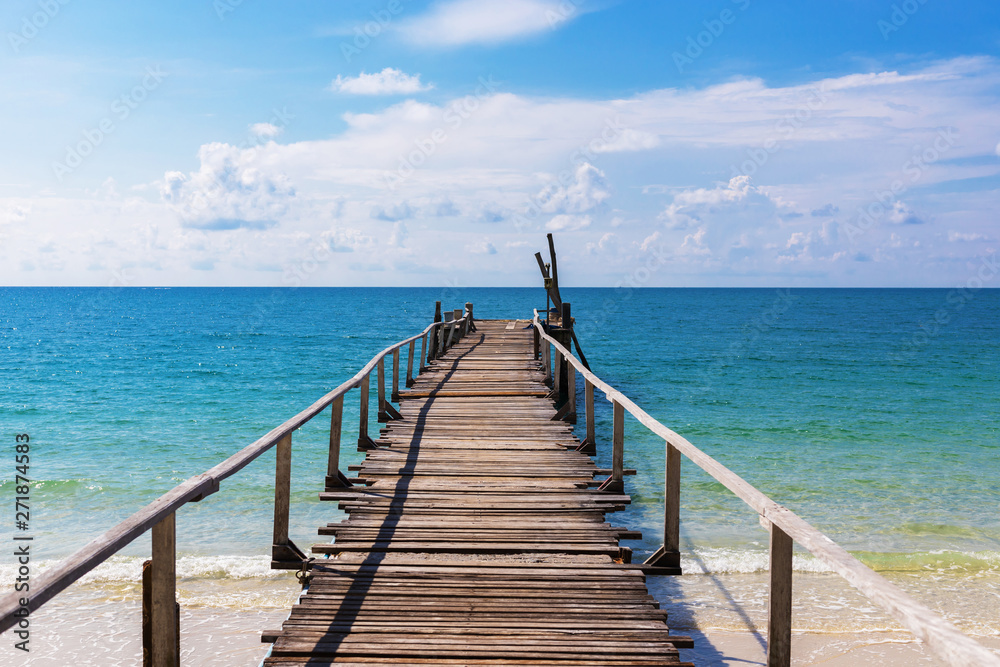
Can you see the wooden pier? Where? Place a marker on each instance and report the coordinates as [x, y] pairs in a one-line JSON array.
[[477, 527], [479, 535]]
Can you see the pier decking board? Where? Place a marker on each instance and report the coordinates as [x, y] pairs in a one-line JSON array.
[[476, 536]]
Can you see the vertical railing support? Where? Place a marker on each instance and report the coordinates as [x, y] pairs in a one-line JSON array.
[[668, 555], [395, 376], [442, 332], [616, 483], [557, 375], [470, 324], [589, 445], [457, 330], [365, 443], [547, 361], [409, 363], [164, 637], [537, 342], [284, 553], [383, 416], [334, 478], [425, 359], [570, 392], [779, 602]]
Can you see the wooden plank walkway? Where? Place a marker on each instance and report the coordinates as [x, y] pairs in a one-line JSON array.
[[480, 538]]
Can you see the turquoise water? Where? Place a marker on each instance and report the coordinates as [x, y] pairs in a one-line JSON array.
[[836, 403]]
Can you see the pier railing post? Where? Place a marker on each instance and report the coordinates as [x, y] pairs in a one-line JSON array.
[[547, 361], [470, 324], [571, 392], [616, 483], [456, 329], [383, 416], [395, 376], [589, 445], [425, 358], [442, 331], [334, 478], [409, 364], [779, 602], [365, 443], [163, 631], [537, 342], [282, 496], [557, 375], [433, 353], [669, 554]]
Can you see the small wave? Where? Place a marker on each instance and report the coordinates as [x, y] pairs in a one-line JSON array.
[[744, 561], [128, 569]]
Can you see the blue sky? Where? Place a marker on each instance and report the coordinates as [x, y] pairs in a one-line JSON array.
[[734, 142]]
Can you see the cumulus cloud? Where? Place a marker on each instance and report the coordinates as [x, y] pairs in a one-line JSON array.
[[459, 22], [229, 191], [587, 191], [389, 81], [901, 214], [825, 211], [568, 223], [481, 247], [265, 130]]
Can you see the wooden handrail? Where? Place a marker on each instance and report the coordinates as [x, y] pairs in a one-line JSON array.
[[58, 578], [941, 636]]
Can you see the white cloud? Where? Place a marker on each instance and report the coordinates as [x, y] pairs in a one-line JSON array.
[[265, 130], [481, 247], [458, 22], [966, 236], [229, 191], [588, 190], [389, 81], [568, 223]]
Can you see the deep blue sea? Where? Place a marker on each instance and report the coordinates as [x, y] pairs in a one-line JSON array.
[[872, 413]]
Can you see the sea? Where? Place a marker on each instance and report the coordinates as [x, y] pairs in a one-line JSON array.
[[871, 413]]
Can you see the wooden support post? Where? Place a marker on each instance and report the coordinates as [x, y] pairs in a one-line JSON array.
[[456, 329], [164, 637], [470, 325], [571, 393], [365, 443], [382, 415], [616, 483], [424, 353], [442, 340], [779, 603], [557, 376], [395, 376], [565, 318], [409, 364], [334, 478], [435, 348], [386, 412], [537, 342], [282, 489], [669, 555], [547, 361], [589, 445]]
